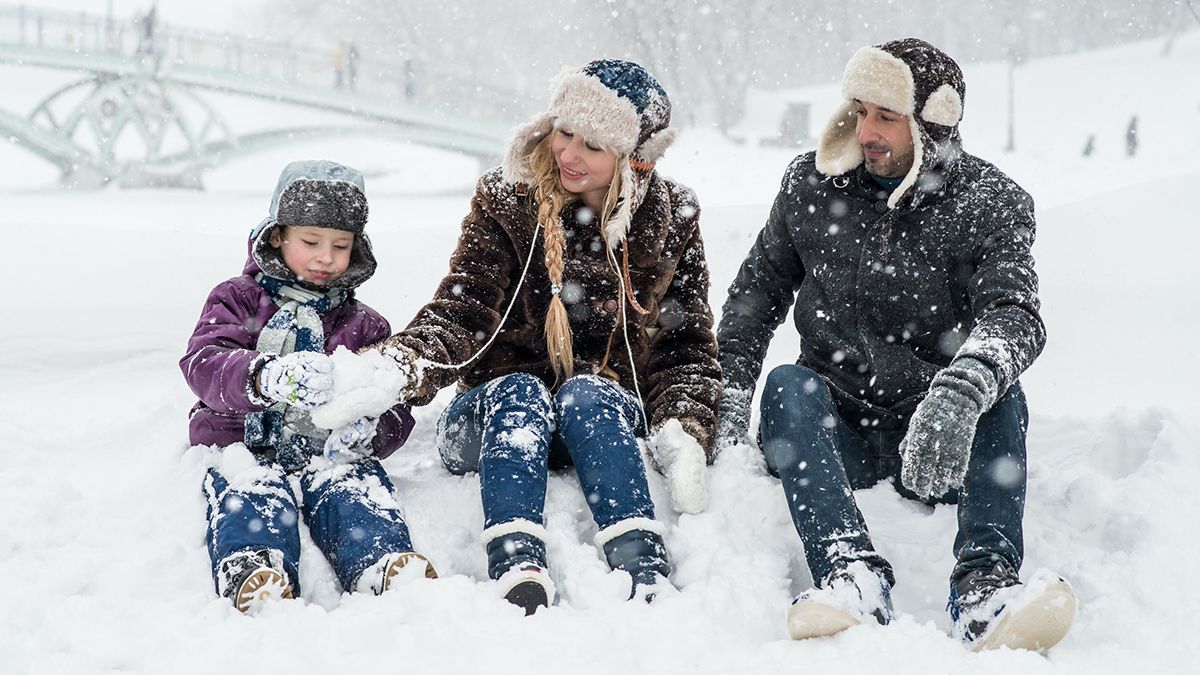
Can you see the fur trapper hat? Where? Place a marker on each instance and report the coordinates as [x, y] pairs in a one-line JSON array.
[[910, 77], [317, 193], [616, 105]]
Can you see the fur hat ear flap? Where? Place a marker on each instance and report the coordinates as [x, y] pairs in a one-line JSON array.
[[520, 151], [652, 149], [944, 106], [838, 150], [618, 225]]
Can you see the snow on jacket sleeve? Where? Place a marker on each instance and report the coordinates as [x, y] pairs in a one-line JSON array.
[[685, 376], [1008, 333], [759, 298], [221, 360], [465, 309]]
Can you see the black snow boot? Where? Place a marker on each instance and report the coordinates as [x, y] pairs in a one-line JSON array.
[[517, 561], [643, 555]]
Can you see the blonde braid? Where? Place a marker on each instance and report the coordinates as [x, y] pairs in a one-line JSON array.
[[550, 199]]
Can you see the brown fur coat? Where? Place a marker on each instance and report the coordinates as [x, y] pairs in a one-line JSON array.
[[674, 348]]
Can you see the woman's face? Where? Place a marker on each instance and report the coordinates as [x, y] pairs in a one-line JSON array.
[[584, 169]]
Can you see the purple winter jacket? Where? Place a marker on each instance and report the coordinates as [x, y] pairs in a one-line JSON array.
[[222, 361]]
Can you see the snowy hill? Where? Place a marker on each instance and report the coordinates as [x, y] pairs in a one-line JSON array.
[[102, 559]]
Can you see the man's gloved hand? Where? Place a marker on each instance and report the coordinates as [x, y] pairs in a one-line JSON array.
[[351, 442], [937, 447], [301, 379], [733, 418], [683, 462]]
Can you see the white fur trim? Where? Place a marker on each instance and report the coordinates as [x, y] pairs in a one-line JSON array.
[[838, 150], [516, 575], [628, 525], [652, 150], [525, 138], [520, 525], [944, 107], [583, 105], [875, 76], [617, 226], [910, 178]]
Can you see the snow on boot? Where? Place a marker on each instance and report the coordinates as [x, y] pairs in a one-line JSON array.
[[993, 609], [851, 595], [527, 586], [252, 578], [516, 553], [636, 546], [384, 575]]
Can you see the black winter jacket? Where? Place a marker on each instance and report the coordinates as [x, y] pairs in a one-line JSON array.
[[886, 297]]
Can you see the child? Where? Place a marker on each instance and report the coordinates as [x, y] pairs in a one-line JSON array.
[[258, 362]]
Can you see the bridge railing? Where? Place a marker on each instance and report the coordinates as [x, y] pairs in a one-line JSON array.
[[402, 78]]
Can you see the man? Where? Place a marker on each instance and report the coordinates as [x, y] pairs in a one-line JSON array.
[[916, 302]]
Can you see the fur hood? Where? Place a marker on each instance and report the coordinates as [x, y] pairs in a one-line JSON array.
[[316, 193], [910, 77]]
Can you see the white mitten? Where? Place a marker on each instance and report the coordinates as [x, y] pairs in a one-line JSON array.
[[351, 442], [301, 379], [684, 465]]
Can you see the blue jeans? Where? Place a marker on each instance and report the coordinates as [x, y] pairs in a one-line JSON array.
[[512, 430], [821, 460], [350, 511]]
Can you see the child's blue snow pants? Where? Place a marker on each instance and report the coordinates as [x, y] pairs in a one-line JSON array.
[[350, 510]]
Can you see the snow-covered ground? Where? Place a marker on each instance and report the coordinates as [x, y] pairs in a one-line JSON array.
[[102, 560]]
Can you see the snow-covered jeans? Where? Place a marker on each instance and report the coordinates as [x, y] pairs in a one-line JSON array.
[[821, 460], [350, 510], [512, 429]]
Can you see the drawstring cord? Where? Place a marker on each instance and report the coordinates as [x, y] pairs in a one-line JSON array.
[[503, 319], [612, 261], [625, 283]]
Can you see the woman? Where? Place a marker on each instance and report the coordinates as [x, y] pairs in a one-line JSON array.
[[575, 319]]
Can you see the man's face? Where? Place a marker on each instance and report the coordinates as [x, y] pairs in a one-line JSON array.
[[886, 139]]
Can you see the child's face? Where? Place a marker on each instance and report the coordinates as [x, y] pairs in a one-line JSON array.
[[317, 255]]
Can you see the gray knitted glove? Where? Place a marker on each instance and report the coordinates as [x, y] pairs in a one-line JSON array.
[[733, 417], [937, 447]]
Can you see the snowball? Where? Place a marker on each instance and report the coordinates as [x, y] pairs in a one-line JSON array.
[[364, 385]]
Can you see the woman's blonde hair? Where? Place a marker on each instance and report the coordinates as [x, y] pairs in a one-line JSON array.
[[551, 197]]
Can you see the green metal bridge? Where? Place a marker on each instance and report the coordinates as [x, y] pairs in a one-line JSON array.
[[138, 115]]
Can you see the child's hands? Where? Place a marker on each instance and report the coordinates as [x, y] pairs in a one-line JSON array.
[[301, 379], [348, 443]]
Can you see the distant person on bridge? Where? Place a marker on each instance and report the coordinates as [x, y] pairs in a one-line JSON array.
[[575, 321], [339, 65], [352, 66], [257, 361], [148, 39], [908, 261]]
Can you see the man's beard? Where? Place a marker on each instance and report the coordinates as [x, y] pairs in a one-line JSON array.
[[891, 165]]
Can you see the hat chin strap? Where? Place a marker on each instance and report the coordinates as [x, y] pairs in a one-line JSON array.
[[617, 227], [910, 178]]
